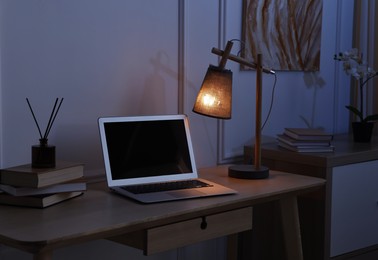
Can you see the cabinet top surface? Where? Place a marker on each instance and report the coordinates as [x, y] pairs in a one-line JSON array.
[[346, 152]]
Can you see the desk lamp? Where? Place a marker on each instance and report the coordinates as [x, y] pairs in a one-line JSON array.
[[214, 100]]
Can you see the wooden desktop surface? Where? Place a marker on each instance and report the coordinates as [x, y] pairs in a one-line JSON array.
[[100, 214]]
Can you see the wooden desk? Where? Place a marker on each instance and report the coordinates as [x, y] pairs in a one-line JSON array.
[[100, 214]]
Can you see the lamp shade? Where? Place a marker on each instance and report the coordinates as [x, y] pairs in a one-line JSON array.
[[215, 96]]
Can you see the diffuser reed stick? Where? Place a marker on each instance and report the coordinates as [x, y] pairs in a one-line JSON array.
[[50, 123]]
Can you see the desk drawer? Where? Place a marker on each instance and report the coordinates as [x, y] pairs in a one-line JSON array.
[[188, 232]]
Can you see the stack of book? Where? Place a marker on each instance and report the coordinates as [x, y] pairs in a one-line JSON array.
[[41, 187], [303, 140]]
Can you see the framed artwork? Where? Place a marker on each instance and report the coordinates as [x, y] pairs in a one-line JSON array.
[[287, 33]]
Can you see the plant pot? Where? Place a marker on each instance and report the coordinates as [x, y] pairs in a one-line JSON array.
[[362, 131]]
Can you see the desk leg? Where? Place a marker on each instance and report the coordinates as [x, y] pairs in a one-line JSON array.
[[232, 246], [43, 255], [291, 228]]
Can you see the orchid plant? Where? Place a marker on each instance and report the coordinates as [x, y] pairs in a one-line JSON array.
[[354, 66]]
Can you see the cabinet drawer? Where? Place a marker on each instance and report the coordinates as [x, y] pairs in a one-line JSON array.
[[188, 232]]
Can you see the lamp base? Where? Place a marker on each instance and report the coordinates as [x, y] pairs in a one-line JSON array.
[[248, 171]]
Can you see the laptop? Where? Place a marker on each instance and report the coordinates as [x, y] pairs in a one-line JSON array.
[[150, 159]]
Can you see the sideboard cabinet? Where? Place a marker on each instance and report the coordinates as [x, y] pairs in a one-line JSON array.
[[341, 221]]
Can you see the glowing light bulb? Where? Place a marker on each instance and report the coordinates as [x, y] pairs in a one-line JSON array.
[[208, 100]]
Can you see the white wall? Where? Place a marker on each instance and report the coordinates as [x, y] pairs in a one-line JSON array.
[[119, 57], [122, 58], [113, 58]]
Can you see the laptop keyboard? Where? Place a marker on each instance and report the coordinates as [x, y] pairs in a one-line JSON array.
[[165, 186]]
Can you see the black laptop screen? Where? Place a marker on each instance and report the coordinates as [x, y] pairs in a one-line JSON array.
[[147, 148]]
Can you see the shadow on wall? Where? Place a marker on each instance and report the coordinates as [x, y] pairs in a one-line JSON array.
[[79, 140], [79, 143], [312, 80], [154, 96], [154, 93]]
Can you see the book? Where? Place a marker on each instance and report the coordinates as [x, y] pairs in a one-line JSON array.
[[37, 201], [308, 134], [295, 142], [307, 148], [26, 176], [57, 188]]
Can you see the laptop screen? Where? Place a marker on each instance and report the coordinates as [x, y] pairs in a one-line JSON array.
[[146, 149]]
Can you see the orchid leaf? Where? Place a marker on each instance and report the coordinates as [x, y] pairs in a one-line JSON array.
[[356, 112], [371, 118]]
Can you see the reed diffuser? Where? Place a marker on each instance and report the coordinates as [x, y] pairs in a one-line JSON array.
[[43, 155]]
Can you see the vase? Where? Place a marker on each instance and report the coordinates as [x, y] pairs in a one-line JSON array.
[[362, 131], [43, 155]]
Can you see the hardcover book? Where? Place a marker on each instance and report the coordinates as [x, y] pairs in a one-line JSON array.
[[57, 188], [294, 142], [308, 134], [27, 176], [308, 148], [37, 201]]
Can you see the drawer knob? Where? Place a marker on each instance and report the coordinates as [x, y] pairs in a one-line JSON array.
[[203, 223]]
